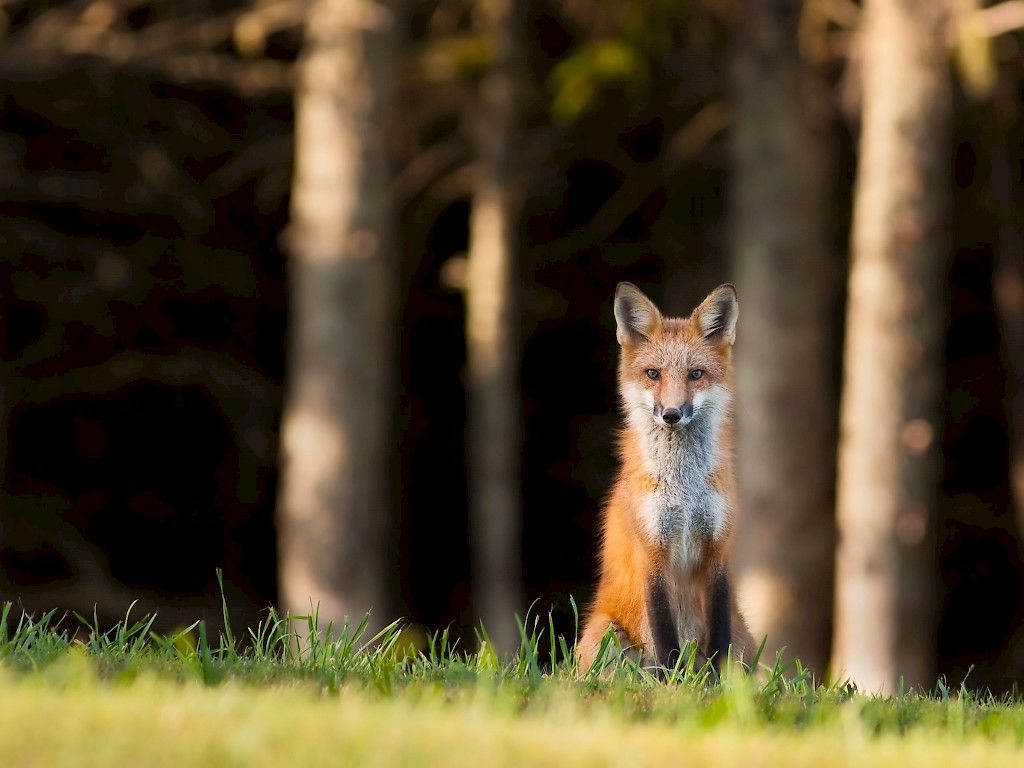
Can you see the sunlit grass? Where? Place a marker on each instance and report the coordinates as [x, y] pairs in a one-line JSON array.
[[282, 693]]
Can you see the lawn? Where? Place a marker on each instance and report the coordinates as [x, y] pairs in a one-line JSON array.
[[73, 694]]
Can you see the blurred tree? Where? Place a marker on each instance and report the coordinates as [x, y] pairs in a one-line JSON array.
[[494, 441], [333, 508], [889, 471], [1010, 297], [786, 273], [1008, 291]]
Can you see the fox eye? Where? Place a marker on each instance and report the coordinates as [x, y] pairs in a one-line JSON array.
[[653, 374], [696, 373]]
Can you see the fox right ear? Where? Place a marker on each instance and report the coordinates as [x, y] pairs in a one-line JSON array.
[[716, 316], [636, 317]]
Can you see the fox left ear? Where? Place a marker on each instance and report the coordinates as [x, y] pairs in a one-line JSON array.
[[716, 316], [636, 316]]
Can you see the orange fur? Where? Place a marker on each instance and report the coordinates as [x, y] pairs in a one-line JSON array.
[[645, 532]]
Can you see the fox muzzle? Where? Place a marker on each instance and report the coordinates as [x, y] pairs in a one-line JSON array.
[[673, 416]]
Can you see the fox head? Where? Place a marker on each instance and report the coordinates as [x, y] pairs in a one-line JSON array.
[[675, 370]]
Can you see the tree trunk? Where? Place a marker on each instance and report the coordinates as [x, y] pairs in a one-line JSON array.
[[494, 442], [889, 469], [334, 502], [1008, 289], [786, 276]]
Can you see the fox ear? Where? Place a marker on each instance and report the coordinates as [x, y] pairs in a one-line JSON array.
[[716, 316], [636, 317]]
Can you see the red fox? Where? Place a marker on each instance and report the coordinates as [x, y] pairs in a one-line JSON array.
[[669, 519]]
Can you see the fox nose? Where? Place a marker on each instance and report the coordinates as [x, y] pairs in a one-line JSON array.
[[672, 416]]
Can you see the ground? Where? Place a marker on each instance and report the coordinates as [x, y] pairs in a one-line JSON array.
[[76, 695]]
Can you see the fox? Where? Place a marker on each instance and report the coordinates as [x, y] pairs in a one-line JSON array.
[[669, 519]]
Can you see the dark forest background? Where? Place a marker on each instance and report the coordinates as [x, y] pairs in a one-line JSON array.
[[146, 181]]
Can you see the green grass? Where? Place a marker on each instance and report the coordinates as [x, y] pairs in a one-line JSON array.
[[72, 693]]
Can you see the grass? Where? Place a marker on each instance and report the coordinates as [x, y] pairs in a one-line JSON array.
[[74, 693]]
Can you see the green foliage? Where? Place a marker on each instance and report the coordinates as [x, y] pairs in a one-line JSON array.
[[578, 79], [639, 33], [973, 53], [443, 59]]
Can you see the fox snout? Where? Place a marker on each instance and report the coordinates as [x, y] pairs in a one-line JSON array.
[[673, 416]]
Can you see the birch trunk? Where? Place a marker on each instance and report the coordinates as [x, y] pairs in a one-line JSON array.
[[333, 511], [889, 469], [494, 442]]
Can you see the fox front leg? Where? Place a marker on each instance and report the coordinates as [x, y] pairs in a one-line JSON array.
[[719, 619], [662, 623]]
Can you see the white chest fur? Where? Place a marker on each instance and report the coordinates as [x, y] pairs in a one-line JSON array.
[[685, 511]]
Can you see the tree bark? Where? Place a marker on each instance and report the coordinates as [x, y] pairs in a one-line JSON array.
[[494, 441], [334, 503], [1008, 290], [889, 468], [786, 272]]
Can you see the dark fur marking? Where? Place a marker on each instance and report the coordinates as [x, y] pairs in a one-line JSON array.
[[663, 623], [719, 619]]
